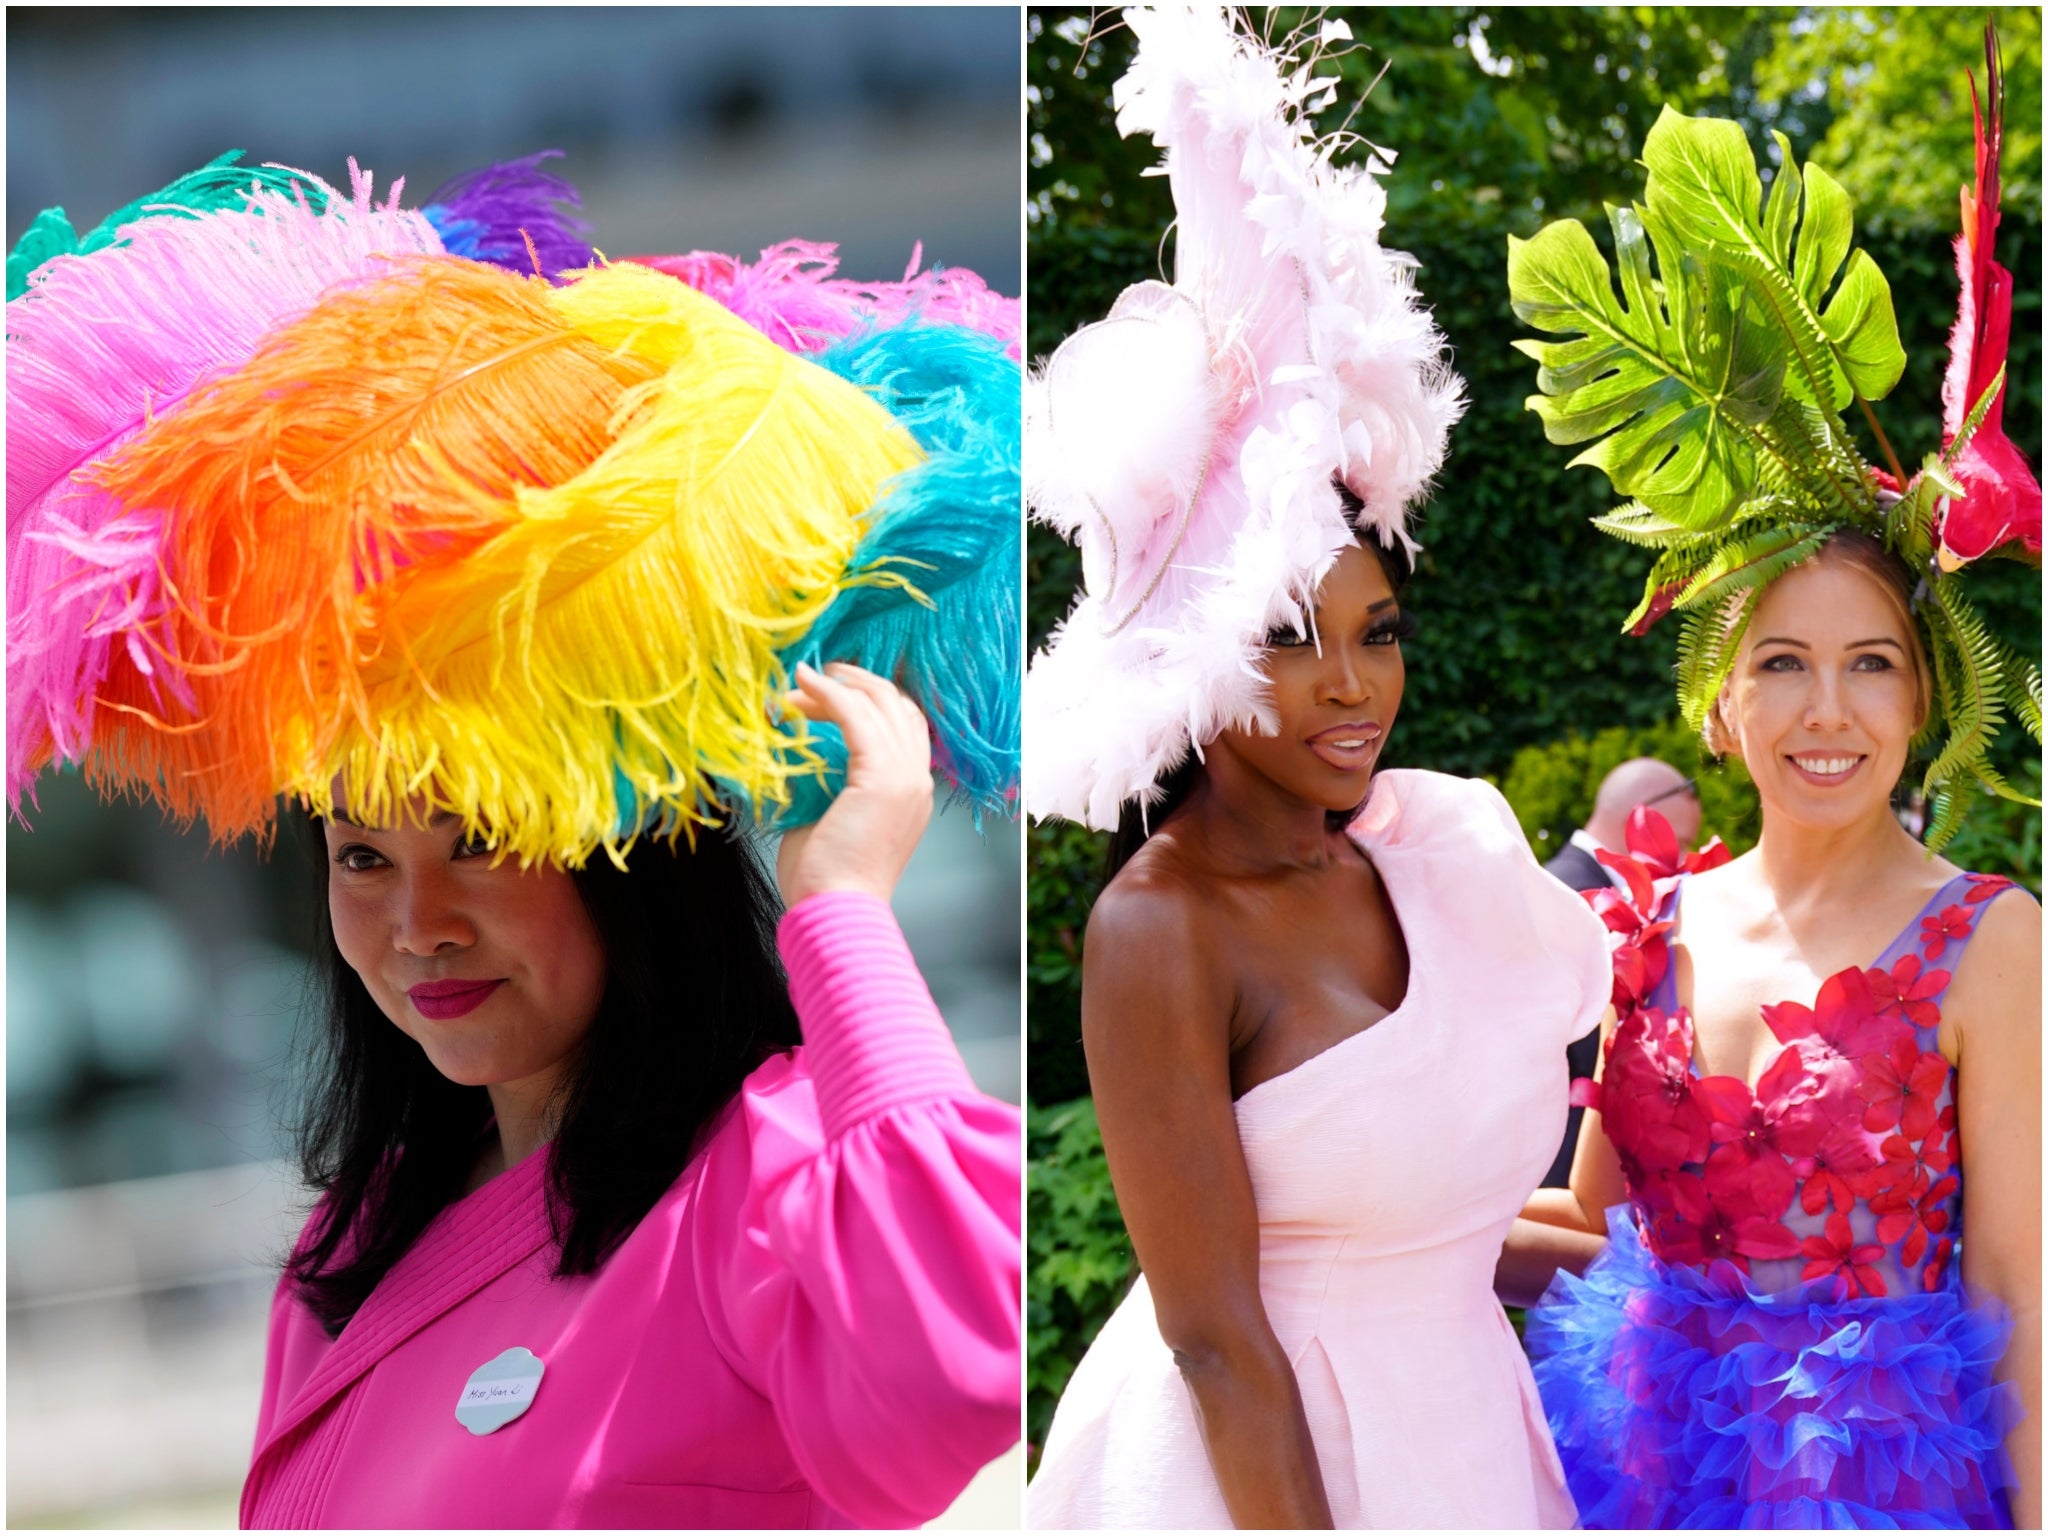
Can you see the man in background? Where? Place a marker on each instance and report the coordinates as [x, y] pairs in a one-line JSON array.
[[1639, 781]]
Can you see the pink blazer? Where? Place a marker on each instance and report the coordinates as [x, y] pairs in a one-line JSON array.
[[816, 1326]]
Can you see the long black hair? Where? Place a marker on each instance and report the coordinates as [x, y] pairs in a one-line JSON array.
[[1135, 824], [694, 999]]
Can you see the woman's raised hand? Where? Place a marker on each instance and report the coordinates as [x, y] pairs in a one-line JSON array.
[[865, 839]]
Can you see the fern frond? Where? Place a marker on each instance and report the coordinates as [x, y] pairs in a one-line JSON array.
[[1707, 647], [1951, 805], [1968, 677], [1634, 523], [2022, 684], [1755, 562]]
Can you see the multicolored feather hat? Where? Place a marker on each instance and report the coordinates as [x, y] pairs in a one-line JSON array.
[[1191, 442], [1714, 391], [300, 500]]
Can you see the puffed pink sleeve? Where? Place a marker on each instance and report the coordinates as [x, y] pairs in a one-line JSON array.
[[1561, 921], [859, 1247]]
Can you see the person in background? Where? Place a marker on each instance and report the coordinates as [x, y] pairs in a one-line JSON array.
[[1640, 781]]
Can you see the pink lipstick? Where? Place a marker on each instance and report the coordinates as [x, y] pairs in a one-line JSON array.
[[450, 999], [1351, 747]]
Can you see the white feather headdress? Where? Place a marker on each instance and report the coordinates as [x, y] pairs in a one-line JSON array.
[[1188, 441]]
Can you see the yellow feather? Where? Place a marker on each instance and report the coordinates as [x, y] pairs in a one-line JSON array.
[[622, 632]]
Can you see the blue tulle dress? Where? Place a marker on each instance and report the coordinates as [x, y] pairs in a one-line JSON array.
[[1777, 1334]]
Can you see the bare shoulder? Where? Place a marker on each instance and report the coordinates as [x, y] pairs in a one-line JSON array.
[[1154, 910], [1150, 966], [1995, 996], [2008, 936]]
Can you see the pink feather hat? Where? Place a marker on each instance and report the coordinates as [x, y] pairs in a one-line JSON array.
[[1190, 442]]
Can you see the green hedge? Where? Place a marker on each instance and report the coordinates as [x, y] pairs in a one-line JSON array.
[[1080, 1258]]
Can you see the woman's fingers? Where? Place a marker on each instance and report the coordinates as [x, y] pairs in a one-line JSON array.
[[877, 718], [867, 835]]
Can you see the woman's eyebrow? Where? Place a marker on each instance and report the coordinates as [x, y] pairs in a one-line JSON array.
[[1385, 602], [439, 818]]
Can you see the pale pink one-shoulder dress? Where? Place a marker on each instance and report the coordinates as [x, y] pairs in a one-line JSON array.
[[1387, 1171]]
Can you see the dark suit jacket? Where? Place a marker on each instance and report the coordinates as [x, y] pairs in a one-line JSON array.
[[1582, 872], [1578, 869]]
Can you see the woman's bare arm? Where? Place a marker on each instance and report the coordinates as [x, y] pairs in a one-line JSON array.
[[1995, 1006], [1564, 1228], [1155, 1019]]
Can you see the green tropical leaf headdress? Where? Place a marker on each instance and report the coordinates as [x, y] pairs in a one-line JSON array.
[[1711, 388]]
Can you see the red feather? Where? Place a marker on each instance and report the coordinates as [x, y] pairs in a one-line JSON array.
[[2001, 500]]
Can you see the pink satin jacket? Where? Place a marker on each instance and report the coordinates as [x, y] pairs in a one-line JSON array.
[[817, 1325]]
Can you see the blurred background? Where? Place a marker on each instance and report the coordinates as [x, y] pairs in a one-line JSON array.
[[1504, 118], [152, 982]]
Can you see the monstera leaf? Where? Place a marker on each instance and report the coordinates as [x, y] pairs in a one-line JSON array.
[[1703, 188], [1720, 368]]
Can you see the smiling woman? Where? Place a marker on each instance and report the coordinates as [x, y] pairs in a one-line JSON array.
[[1804, 1311]]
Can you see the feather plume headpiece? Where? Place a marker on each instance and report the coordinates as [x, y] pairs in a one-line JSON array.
[[791, 296], [336, 511], [1713, 392], [102, 343], [1192, 441]]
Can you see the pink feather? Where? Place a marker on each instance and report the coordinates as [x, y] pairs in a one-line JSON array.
[[98, 348], [2001, 500], [791, 296]]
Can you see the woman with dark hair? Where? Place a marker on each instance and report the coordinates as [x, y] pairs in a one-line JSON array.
[[1796, 1280], [640, 1203], [1325, 1002]]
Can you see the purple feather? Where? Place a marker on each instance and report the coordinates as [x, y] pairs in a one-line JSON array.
[[492, 215]]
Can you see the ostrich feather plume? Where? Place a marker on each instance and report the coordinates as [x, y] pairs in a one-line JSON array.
[[603, 663], [99, 347], [792, 297], [513, 215], [950, 527], [221, 183], [1191, 441], [383, 433]]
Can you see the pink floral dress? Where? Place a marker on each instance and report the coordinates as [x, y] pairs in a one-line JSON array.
[[1777, 1334]]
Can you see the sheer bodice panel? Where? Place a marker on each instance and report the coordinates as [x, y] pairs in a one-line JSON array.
[[1842, 1161]]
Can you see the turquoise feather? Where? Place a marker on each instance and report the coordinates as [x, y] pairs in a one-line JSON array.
[[953, 528]]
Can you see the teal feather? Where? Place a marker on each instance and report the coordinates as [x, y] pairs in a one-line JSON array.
[[220, 183], [952, 527]]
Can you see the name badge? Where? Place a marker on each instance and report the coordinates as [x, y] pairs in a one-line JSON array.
[[498, 1391]]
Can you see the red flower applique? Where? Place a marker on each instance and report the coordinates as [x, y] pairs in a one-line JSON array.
[[1914, 1164], [1653, 847], [1950, 923], [1838, 1253], [1930, 1277], [1835, 1172], [1641, 956], [1646, 1096], [1845, 1018], [1756, 1136], [1908, 991], [1914, 1219], [1698, 1232], [1712, 856], [1900, 1086], [1984, 887]]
